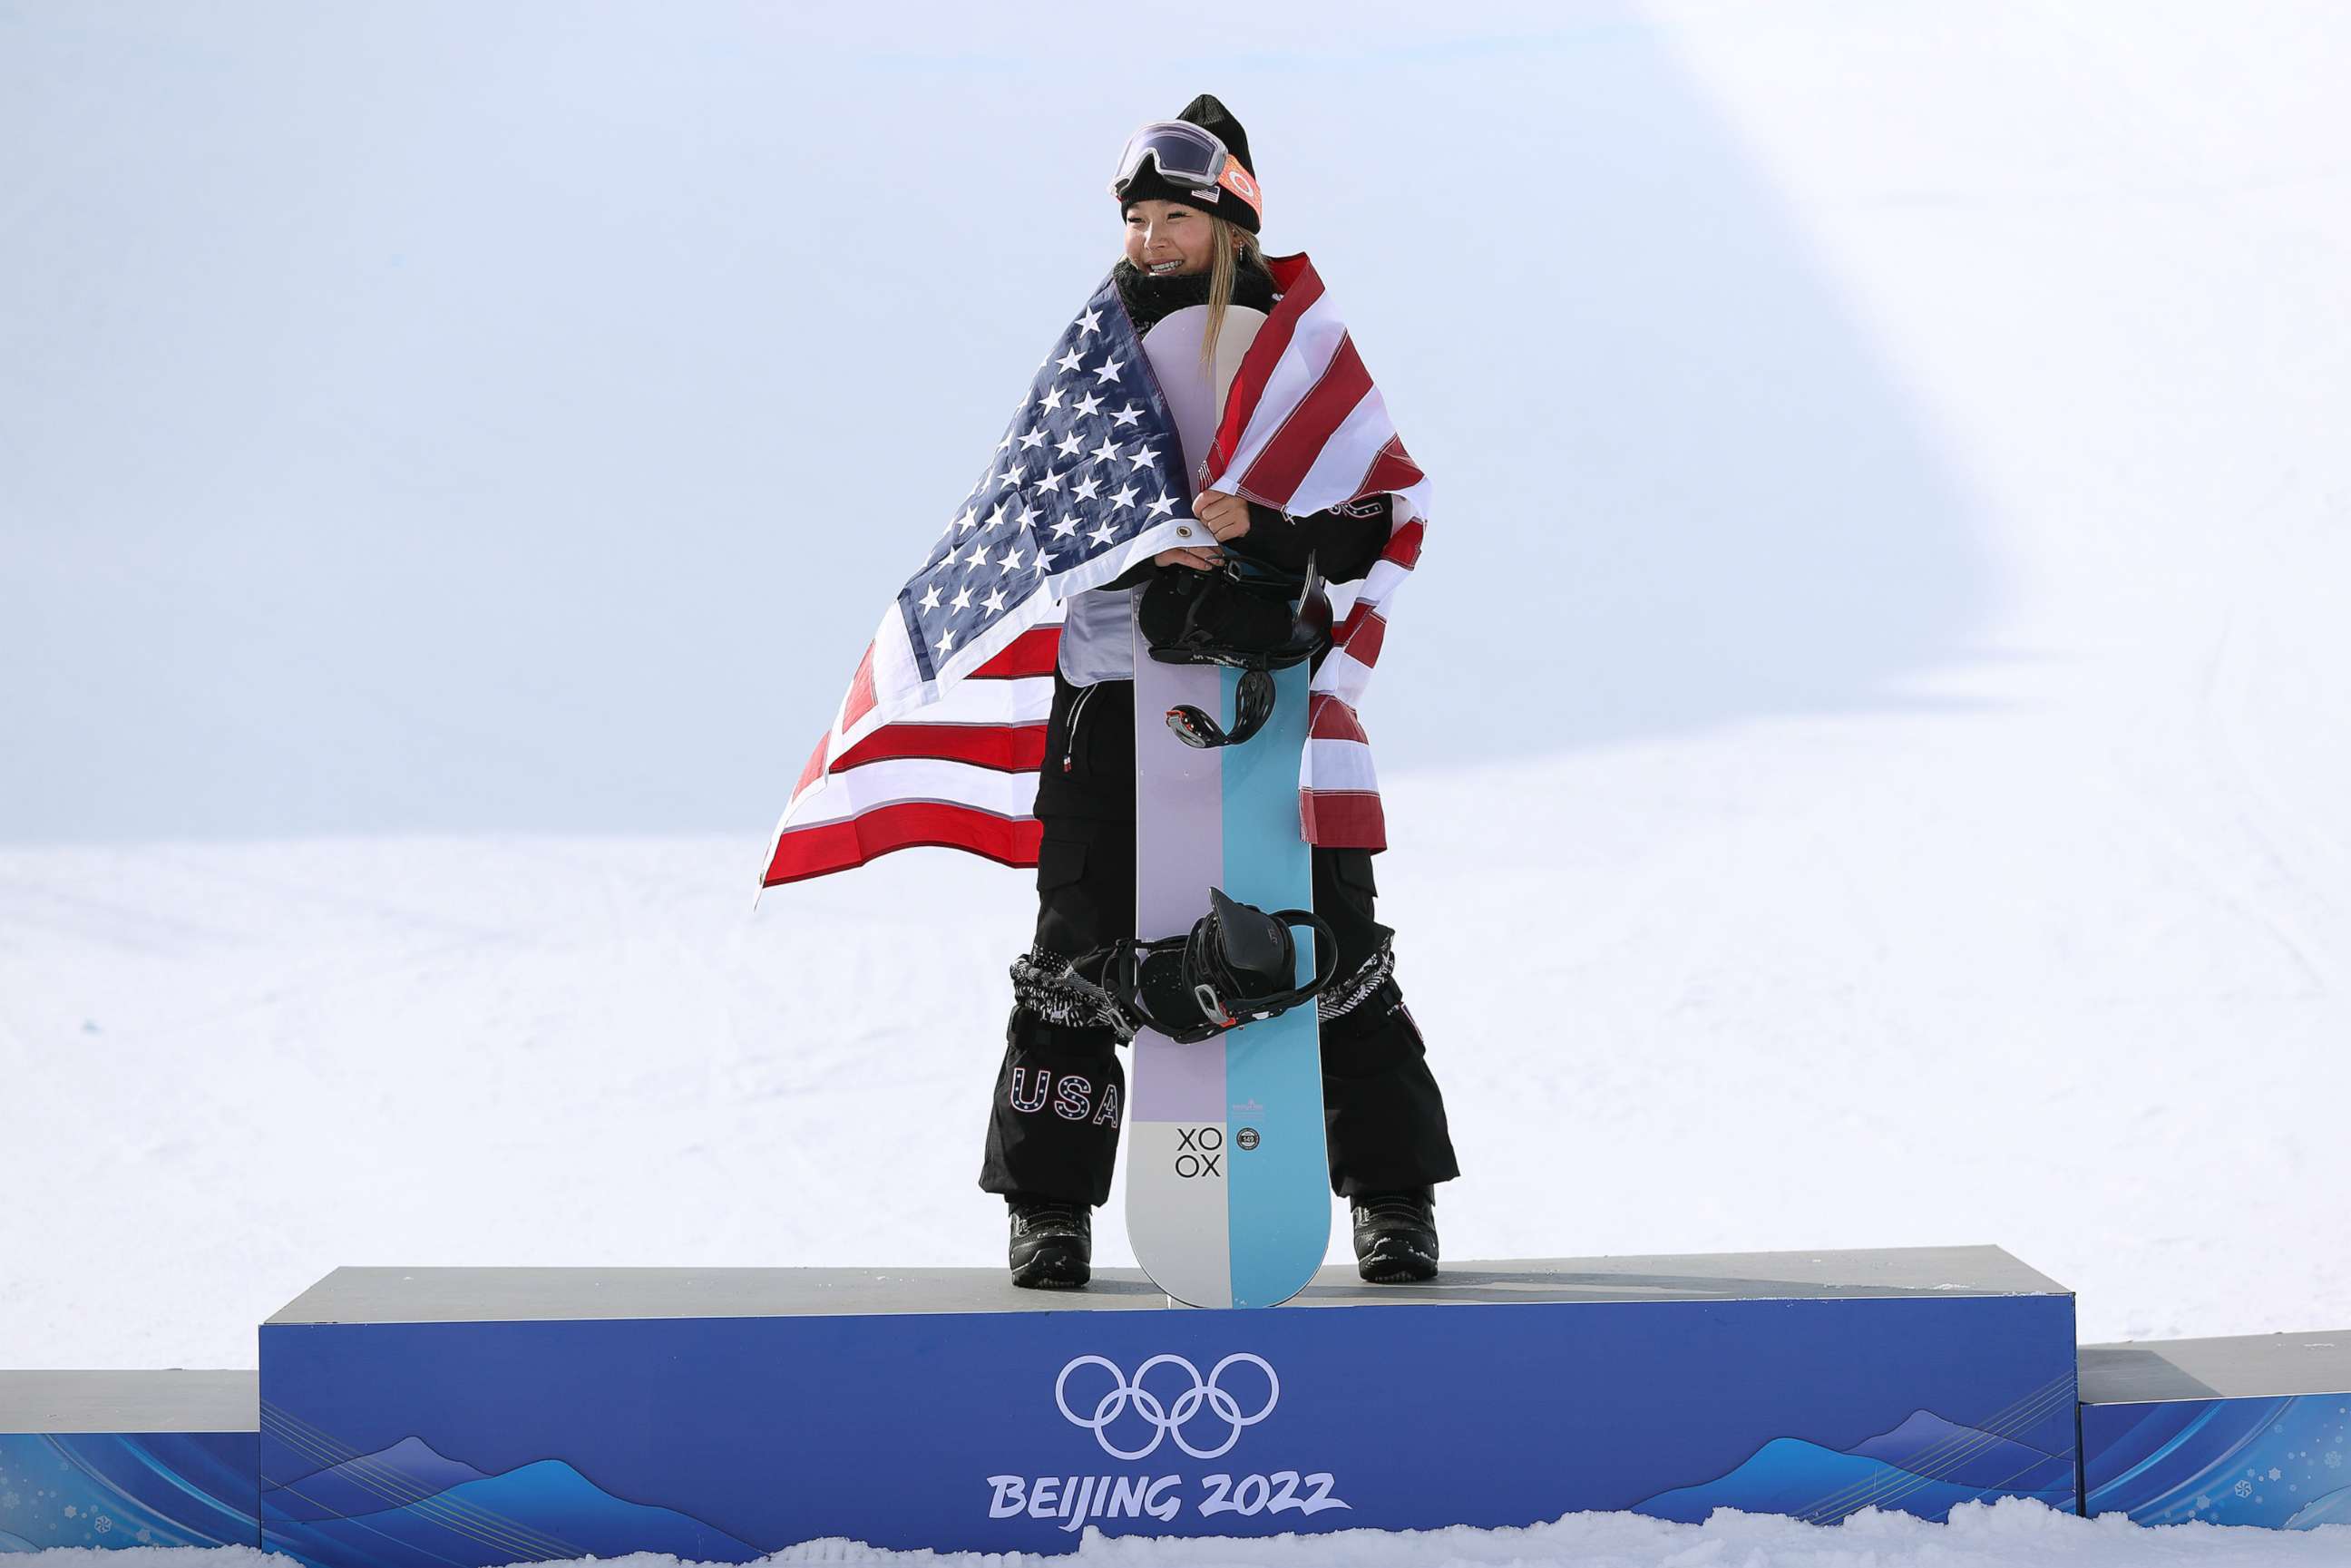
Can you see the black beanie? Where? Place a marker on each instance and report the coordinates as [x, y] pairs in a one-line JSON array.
[[1214, 118]]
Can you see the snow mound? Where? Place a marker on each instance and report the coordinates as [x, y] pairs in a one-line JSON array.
[[2010, 1533]]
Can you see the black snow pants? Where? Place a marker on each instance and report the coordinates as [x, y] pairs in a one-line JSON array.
[[1060, 1095]]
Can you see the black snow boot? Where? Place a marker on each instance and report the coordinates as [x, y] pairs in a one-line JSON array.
[[1052, 1242], [1395, 1236]]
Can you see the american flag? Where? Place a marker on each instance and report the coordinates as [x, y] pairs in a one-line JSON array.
[[941, 734]]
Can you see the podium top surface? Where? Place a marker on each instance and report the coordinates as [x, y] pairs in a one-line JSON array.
[[172, 1401], [392, 1295], [2247, 1366]]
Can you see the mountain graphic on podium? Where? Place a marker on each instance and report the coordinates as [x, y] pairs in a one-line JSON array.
[[1926, 1465], [409, 1471], [409, 1503]]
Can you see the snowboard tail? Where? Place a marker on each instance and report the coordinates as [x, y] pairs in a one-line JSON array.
[[1227, 1181]]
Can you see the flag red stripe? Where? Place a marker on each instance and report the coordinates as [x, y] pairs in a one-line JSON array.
[[860, 700], [1362, 634], [1342, 818], [1330, 718], [815, 769], [1265, 352], [1299, 440], [1392, 469], [826, 847], [1006, 747], [1404, 545], [1031, 653], [1287, 269]]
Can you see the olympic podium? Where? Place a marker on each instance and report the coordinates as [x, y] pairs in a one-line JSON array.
[[461, 1417], [128, 1458], [435, 1417], [2252, 1429]]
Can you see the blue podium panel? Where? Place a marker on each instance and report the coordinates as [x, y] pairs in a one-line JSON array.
[[129, 1458], [420, 1418], [2251, 1430]]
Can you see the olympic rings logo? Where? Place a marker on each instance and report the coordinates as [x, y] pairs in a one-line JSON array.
[[1167, 1418]]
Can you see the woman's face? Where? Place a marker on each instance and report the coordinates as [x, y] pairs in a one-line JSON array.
[[1167, 238]]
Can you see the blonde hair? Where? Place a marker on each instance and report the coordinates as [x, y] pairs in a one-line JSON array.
[[1234, 247]]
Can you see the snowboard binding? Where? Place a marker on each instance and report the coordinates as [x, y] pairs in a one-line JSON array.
[[1244, 623], [1236, 964]]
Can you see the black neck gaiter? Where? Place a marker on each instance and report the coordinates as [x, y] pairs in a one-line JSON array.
[[1150, 299]]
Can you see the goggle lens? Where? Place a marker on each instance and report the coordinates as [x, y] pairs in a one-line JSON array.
[[1185, 153]]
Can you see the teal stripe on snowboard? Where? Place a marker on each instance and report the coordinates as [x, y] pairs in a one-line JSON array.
[[1279, 1196]]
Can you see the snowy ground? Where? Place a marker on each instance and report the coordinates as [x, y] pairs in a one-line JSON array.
[[2097, 1037], [2010, 1534], [1905, 805]]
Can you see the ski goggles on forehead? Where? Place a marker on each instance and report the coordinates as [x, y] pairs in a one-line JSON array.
[[1186, 155]]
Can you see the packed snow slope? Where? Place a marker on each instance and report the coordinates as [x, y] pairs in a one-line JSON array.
[[1867, 751]]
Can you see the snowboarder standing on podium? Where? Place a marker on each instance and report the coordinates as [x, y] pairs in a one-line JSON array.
[[1389, 1145]]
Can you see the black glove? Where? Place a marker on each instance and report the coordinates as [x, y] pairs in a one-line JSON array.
[[1182, 608]]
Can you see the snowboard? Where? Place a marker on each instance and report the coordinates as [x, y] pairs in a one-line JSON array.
[[1228, 1186]]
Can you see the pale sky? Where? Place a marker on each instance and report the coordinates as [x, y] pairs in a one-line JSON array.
[[446, 417]]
